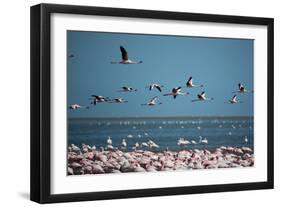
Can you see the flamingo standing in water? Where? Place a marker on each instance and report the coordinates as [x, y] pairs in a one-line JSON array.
[[182, 142], [242, 89], [204, 141], [202, 97], [109, 141], [125, 58], [155, 85], [124, 144], [152, 102], [233, 100], [175, 92], [190, 84], [246, 139]]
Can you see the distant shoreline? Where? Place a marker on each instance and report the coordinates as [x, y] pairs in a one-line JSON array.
[[160, 118]]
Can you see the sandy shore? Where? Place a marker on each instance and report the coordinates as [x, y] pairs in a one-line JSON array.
[[97, 162]]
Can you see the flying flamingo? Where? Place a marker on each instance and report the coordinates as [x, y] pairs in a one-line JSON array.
[[127, 89], [155, 85], [175, 92], [233, 100], [190, 84], [76, 106], [202, 97], [152, 102], [242, 89], [125, 58], [98, 99], [118, 100]]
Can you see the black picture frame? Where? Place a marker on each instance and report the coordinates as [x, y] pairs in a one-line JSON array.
[[41, 98]]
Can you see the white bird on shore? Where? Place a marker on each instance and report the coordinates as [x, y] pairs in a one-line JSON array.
[[204, 141], [155, 85], [127, 89], [152, 144], [125, 58], [75, 148], [144, 144], [109, 141], [246, 139], [152, 102], [175, 92], [123, 144], [136, 146], [242, 89], [233, 100], [193, 142], [202, 97], [182, 142], [190, 84]]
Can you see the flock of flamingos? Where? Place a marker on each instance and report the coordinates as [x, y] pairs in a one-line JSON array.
[[176, 91]]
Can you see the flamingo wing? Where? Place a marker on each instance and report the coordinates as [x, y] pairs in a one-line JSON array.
[[159, 88], [153, 99], [124, 53], [189, 82]]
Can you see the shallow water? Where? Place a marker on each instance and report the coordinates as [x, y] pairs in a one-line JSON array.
[[220, 131]]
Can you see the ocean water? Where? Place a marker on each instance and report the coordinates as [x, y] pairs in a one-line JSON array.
[[219, 131]]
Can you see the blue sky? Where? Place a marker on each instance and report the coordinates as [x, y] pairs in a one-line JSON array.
[[219, 64]]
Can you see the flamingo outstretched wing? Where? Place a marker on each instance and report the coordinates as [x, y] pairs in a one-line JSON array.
[[124, 53]]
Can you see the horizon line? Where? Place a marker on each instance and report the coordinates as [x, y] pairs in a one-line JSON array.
[[160, 117]]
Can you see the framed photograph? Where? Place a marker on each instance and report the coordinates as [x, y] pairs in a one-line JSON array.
[[133, 103]]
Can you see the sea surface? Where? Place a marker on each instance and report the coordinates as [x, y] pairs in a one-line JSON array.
[[219, 131]]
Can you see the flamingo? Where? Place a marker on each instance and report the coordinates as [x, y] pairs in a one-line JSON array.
[[152, 144], [152, 102], [118, 100], [175, 92], [155, 85], [136, 146], [233, 100], [204, 141], [183, 142], [190, 84], [144, 144], [127, 89], [123, 144], [99, 99], [75, 148], [193, 142], [77, 106], [242, 89], [109, 141], [202, 97], [125, 58]]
